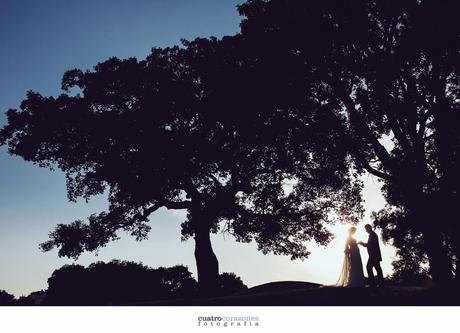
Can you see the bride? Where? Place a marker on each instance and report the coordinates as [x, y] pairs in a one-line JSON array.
[[352, 270]]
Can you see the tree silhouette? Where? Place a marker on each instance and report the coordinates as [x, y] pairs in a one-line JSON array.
[[198, 127], [124, 282], [117, 282], [390, 69], [68, 285], [411, 264], [229, 284]]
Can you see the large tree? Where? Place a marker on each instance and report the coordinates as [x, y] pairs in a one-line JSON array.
[[391, 69], [200, 128]]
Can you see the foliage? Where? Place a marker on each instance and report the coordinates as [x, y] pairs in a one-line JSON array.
[[230, 284], [124, 282], [410, 267], [117, 282], [391, 69], [264, 134], [5, 298], [200, 128]]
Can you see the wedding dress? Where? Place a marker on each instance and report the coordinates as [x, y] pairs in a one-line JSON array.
[[352, 274]]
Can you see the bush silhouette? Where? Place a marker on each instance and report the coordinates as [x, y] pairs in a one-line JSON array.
[[126, 282], [229, 284], [5, 298], [117, 282]]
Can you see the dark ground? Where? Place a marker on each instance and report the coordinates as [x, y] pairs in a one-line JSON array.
[[304, 293]]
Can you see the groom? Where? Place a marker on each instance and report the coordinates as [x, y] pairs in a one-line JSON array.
[[375, 256]]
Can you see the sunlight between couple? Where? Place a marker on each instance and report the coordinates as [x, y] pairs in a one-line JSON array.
[[352, 270]]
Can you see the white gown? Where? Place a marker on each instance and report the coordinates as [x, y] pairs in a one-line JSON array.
[[352, 274]]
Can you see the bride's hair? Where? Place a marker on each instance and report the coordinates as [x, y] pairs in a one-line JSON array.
[[352, 230]]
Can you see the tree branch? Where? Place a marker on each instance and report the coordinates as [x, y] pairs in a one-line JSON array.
[[145, 214], [361, 126], [423, 119], [376, 172], [162, 203], [214, 179], [176, 204], [399, 135]]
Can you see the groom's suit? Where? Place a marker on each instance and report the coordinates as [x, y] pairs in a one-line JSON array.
[[375, 257]]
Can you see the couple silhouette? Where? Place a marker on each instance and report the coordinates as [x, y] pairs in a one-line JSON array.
[[352, 270]]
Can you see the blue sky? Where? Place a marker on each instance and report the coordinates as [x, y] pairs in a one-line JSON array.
[[39, 41]]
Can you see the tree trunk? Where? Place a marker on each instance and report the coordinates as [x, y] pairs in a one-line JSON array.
[[448, 205], [206, 261], [456, 250], [429, 220], [454, 233], [440, 263], [441, 207]]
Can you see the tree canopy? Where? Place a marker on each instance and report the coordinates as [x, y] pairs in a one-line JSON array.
[[265, 134], [391, 68], [201, 127]]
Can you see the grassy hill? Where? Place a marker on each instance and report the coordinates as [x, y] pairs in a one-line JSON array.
[[305, 293]]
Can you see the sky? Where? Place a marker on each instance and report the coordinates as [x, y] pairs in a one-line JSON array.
[[39, 41]]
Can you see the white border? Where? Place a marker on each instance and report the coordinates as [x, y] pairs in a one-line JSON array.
[[271, 319]]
